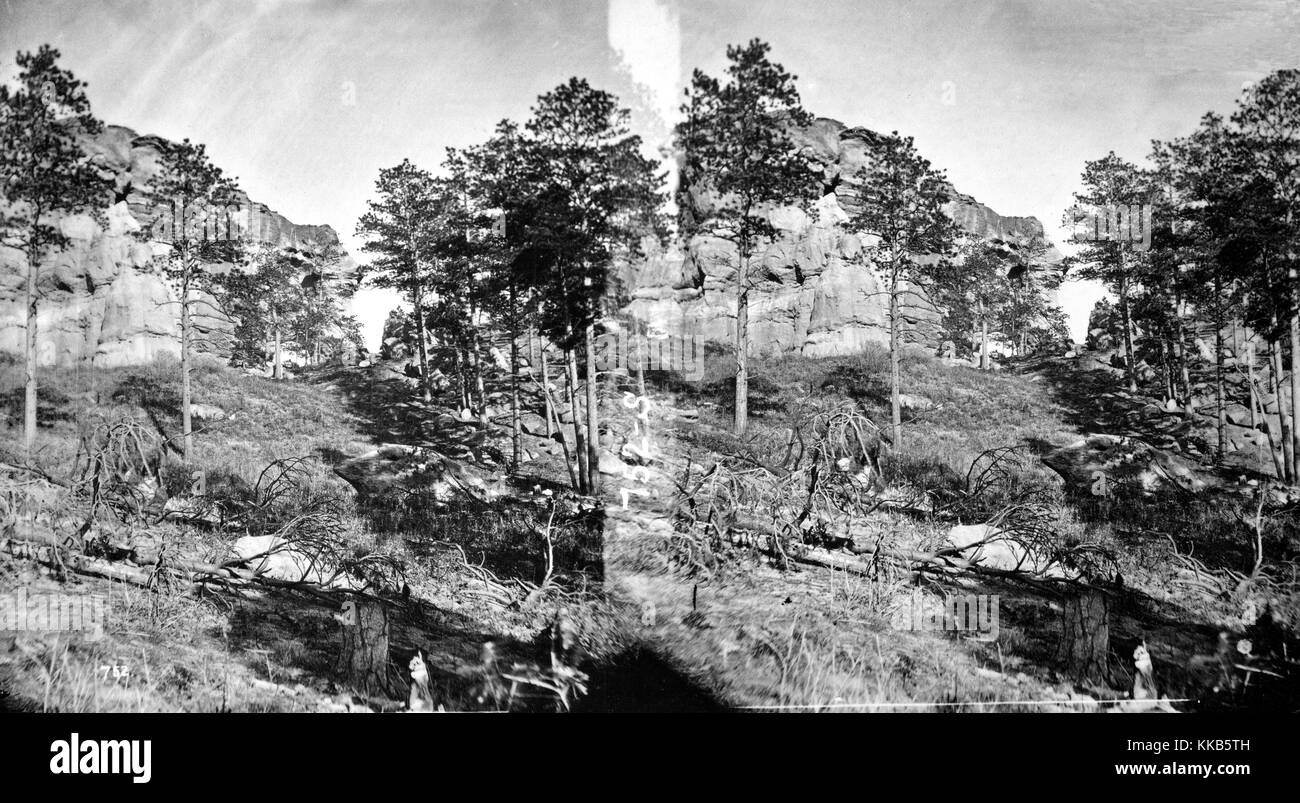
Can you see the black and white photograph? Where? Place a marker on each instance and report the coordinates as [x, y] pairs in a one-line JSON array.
[[649, 356]]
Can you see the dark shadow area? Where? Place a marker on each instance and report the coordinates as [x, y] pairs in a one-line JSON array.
[[1095, 401], [299, 631], [330, 456], [639, 682], [52, 406], [505, 536]]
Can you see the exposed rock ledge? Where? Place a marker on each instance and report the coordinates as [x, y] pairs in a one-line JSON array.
[[102, 301], [813, 296]]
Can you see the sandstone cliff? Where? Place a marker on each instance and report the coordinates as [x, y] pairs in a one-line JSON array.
[[104, 301], [813, 295]]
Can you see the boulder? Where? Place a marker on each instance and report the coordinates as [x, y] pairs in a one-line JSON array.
[[1127, 461], [1097, 361], [274, 557], [909, 401], [611, 465], [532, 423], [207, 412], [985, 545], [1238, 414], [398, 468]]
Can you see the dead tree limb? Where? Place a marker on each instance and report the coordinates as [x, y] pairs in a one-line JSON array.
[[922, 561]]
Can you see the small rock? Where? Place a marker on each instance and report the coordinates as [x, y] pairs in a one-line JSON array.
[[609, 464], [207, 412], [909, 401]]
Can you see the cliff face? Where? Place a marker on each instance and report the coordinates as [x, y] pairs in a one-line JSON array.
[[813, 295], [104, 301]]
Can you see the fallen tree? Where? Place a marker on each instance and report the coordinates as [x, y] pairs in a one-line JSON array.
[[937, 562], [49, 550]]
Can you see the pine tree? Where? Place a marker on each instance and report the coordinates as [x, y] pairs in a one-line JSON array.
[[592, 166], [501, 188], [737, 143], [1268, 123], [197, 195], [909, 236], [44, 171], [1110, 183], [397, 227]]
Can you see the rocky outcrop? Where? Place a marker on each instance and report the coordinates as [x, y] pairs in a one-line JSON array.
[[104, 301], [1100, 462], [394, 471], [813, 295]]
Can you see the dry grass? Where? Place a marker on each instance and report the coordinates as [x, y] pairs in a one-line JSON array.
[[743, 633], [794, 640], [270, 650]]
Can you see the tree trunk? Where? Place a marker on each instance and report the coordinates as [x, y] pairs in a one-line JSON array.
[[466, 390], [742, 361], [1017, 349], [1295, 394], [984, 340], [1250, 381], [1129, 368], [1284, 420], [1084, 648], [187, 434], [1220, 390], [1170, 381], [895, 406], [593, 416], [29, 402], [417, 298], [476, 364], [363, 658], [553, 425], [579, 442], [546, 386], [277, 372], [1258, 413], [516, 451], [1180, 353]]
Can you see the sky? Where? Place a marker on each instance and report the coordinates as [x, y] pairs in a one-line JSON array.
[[305, 101]]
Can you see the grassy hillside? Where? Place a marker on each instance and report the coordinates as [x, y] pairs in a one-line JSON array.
[[772, 633], [222, 648], [673, 609]]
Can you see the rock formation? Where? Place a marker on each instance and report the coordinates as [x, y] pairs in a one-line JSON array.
[[104, 301], [813, 295]]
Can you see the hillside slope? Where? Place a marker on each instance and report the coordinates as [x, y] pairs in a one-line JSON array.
[[688, 593]]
